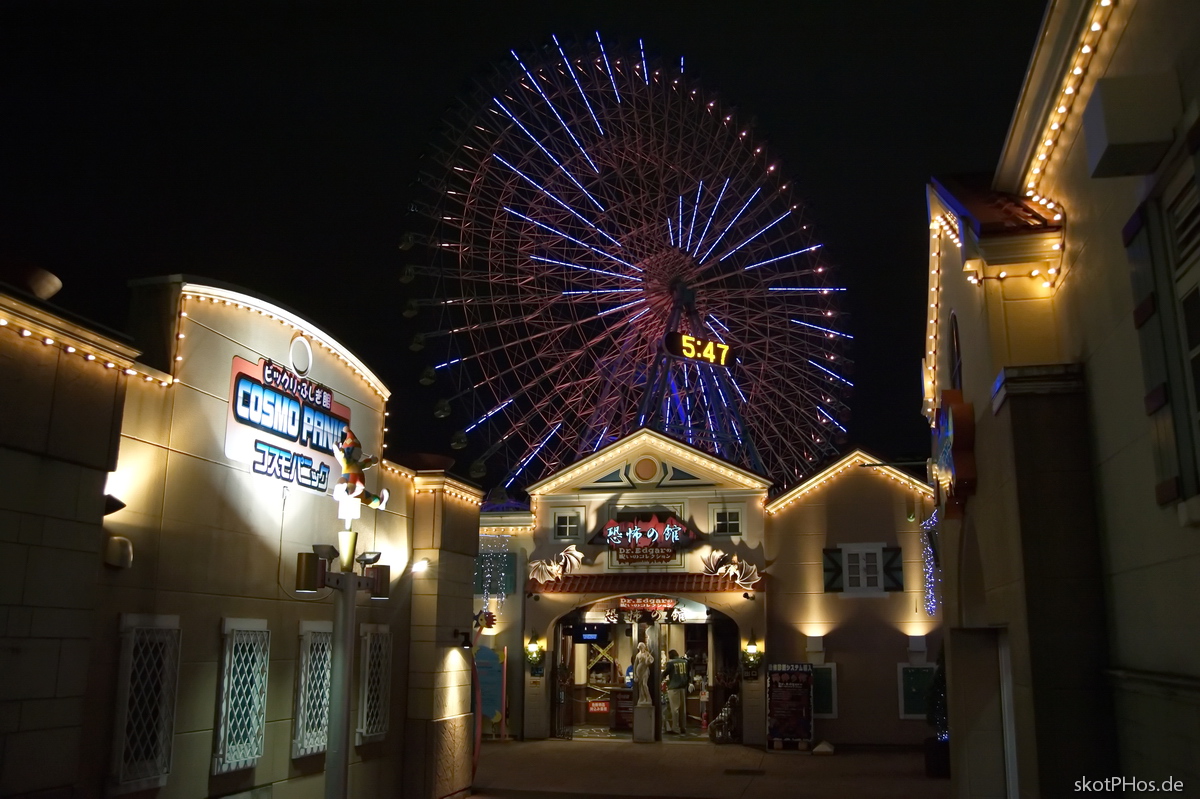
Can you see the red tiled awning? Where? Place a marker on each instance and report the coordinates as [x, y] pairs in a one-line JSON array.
[[639, 583]]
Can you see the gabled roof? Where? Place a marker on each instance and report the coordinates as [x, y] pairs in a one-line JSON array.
[[991, 212], [854, 460], [655, 440]]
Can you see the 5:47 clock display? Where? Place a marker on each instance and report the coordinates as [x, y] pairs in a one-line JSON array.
[[691, 348]]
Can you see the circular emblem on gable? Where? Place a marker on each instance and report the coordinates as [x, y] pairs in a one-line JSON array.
[[300, 355], [645, 469]]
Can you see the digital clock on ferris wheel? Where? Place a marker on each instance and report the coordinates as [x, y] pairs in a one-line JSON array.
[[691, 348]]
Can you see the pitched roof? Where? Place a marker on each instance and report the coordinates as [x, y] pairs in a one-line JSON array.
[[855, 459]]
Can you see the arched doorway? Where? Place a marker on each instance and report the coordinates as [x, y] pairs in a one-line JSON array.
[[593, 695]]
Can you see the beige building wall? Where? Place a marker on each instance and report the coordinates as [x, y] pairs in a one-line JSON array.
[[59, 418], [212, 540], [864, 636], [1067, 474]]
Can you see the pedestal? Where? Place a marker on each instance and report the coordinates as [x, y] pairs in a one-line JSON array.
[[643, 724]]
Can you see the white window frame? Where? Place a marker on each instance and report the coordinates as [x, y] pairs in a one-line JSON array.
[[374, 683], [136, 630], [310, 725], [558, 513], [1186, 277], [253, 632], [832, 667], [900, 667], [726, 507], [859, 550]]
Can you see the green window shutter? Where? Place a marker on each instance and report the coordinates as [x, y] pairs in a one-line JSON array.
[[1164, 370], [832, 559], [822, 699], [893, 569]]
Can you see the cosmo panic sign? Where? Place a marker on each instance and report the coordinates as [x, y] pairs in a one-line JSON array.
[[285, 426]]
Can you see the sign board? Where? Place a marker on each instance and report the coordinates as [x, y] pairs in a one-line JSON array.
[[285, 426], [623, 718], [691, 348], [789, 705], [597, 706], [954, 448], [645, 603], [640, 541], [491, 676]]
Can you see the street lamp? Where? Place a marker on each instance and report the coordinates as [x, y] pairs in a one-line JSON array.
[[312, 573]]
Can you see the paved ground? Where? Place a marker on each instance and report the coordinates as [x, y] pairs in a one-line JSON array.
[[603, 769]]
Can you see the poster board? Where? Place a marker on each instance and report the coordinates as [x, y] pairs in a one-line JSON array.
[[789, 705]]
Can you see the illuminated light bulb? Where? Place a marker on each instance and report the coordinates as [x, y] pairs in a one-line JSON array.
[[1106, 3], [25, 333], [47, 340], [183, 313], [1035, 272], [3, 322], [1049, 205], [1037, 197], [70, 348], [1057, 217], [179, 357], [1062, 109], [1054, 126], [1031, 184], [131, 371], [1069, 90], [1029, 194], [149, 379], [164, 383], [89, 357], [1085, 49], [1056, 246], [1052, 271], [1045, 284], [1096, 26], [109, 364], [1049, 142], [181, 335], [1003, 275], [1077, 71], [1041, 156], [1037, 170]]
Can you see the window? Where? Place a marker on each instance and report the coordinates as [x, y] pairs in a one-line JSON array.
[[1162, 243], [825, 691], [863, 569], [242, 695], [310, 731], [375, 683], [726, 518], [147, 684], [567, 523], [912, 683]]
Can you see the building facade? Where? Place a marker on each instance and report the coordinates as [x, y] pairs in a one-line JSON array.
[[651, 541], [202, 670], [1059, 385]]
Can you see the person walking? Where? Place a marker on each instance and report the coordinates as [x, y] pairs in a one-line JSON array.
[[677, 687]]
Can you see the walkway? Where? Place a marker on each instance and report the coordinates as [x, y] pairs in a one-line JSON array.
[[603, 769]]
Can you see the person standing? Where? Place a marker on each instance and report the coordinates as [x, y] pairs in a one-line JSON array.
[[677, 687]]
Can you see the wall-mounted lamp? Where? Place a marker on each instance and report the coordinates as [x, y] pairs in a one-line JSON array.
[[751, 657], [748, 595], [534, 652], [421, 566], [466, 638]]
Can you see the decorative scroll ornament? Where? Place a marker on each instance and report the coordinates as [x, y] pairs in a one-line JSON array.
[[729, 567], [547, 571]]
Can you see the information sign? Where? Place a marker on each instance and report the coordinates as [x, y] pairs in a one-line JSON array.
[[789, 705]]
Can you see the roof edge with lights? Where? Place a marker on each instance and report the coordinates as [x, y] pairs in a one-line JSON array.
[[857, 458]]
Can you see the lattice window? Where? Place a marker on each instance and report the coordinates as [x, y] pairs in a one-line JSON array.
[[375, 682], [243, 695], [311, 727], [147, 685]]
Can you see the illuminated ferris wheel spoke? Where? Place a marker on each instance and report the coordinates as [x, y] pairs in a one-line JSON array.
[[670, 232], [830, 418], [826, 330], [732, 222], [516, 472], [487, 416], [781, 257], [645, 70], [830, 372], [583, 268], [782, 217], [557, 232], [608, 67], [716, 205], [695, 208], [575, 79], [534, 82], [553, 197], [549, 154]]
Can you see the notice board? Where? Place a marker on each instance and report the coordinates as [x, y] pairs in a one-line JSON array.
[[789, 705]]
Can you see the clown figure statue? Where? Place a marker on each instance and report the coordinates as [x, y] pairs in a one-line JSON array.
[[351, 484]]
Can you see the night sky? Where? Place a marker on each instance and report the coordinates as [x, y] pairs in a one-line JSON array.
[[278, 149]]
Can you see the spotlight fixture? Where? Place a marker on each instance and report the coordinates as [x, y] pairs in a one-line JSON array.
[[466, 638], [325, 551], [420, 566], [368, 558]]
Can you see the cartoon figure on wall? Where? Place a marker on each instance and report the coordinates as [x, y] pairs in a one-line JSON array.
[[351, 484]]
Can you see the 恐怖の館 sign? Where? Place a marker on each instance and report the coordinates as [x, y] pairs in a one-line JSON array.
[[285, 426], [640, 542]]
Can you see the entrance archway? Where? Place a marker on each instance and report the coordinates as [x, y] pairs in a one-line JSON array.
[[593, 695]]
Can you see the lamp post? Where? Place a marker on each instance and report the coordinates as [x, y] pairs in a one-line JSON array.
[[312, 574]]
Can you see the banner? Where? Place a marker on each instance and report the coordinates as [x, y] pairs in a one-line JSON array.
[[789, 705]]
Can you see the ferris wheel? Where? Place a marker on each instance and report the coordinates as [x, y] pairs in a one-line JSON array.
[[612, 249]]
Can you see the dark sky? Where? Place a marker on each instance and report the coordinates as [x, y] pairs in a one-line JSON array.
[[277, 149]]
